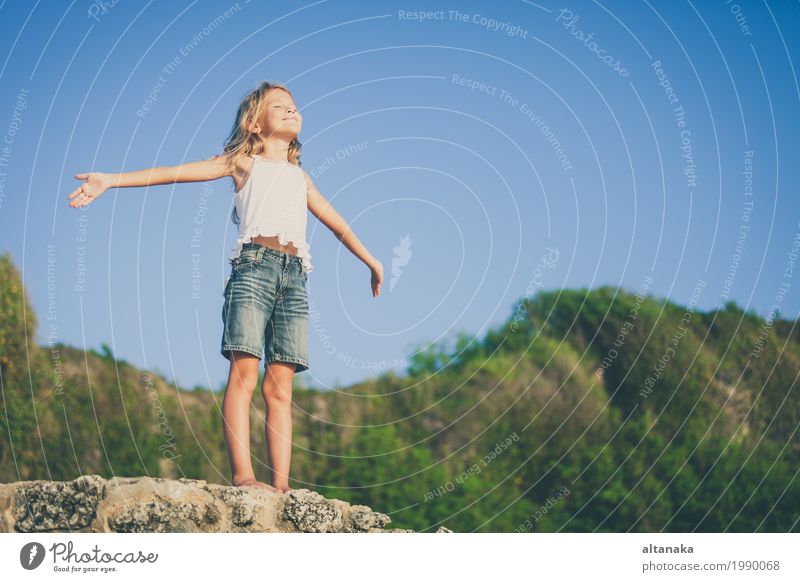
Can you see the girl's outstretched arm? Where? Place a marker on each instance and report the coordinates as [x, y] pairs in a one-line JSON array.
[[328, 216], [98, 182]]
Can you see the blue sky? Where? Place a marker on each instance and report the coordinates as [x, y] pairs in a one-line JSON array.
[[487, 133]]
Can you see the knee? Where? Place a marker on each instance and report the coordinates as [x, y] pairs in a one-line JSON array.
[[276, 394], [243, 374], [243, 382]]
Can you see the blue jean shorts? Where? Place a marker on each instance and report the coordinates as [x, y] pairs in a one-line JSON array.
[[266, 306]]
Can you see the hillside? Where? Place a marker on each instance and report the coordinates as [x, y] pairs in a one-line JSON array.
[[558, 420]]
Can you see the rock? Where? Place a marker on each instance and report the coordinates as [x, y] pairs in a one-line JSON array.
[[362, 518], [144, 504], [57, 506], [243, 507], [311, 512]]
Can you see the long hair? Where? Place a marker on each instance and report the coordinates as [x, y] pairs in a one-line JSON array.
[[243, 142]]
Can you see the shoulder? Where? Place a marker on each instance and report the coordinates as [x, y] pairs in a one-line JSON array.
[[309, 182], [235, 164]]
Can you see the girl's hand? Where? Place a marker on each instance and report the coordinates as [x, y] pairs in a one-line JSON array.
[[96, 183], [377, 278]]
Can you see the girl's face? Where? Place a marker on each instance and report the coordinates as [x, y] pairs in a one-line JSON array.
[[280, 116]]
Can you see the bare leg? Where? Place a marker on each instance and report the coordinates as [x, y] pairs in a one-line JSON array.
[[276, 389], [242, 380]]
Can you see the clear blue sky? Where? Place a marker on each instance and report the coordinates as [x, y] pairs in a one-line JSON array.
[[484, 135]]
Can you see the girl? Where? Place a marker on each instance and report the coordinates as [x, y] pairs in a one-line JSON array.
[[266, 306]]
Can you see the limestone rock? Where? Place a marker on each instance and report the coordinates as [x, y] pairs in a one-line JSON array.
[[144, 504], [52, 506], [311, 512]]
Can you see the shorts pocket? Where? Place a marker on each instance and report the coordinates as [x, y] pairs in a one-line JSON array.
[[245, 261]]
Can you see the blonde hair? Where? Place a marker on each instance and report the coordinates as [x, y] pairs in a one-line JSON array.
[[242, 141]]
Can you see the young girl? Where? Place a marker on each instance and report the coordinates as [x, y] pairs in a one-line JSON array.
[[266, 306]]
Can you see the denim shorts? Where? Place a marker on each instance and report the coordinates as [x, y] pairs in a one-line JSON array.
[[266, 306]]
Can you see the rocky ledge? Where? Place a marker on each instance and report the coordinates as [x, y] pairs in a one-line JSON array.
[[144, 504]]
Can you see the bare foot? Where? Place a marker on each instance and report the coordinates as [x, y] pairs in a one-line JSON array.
[[285, 489], [254, 483]]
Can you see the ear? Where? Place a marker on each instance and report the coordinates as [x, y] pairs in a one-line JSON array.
[[254, 127]]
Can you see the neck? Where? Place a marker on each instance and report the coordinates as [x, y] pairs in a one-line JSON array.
[[276, 148]]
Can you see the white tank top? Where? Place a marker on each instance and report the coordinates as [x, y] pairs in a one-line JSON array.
[[273, 202]]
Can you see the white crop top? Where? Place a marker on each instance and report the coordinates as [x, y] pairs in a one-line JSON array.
[[273, 202]]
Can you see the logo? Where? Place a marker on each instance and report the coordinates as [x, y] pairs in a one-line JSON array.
[[402, 254], [31, 555]]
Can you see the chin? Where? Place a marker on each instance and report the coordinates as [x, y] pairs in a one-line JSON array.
[[287, 133]]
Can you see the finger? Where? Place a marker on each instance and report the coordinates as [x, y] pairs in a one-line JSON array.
[[79, 189], [81, 176]]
